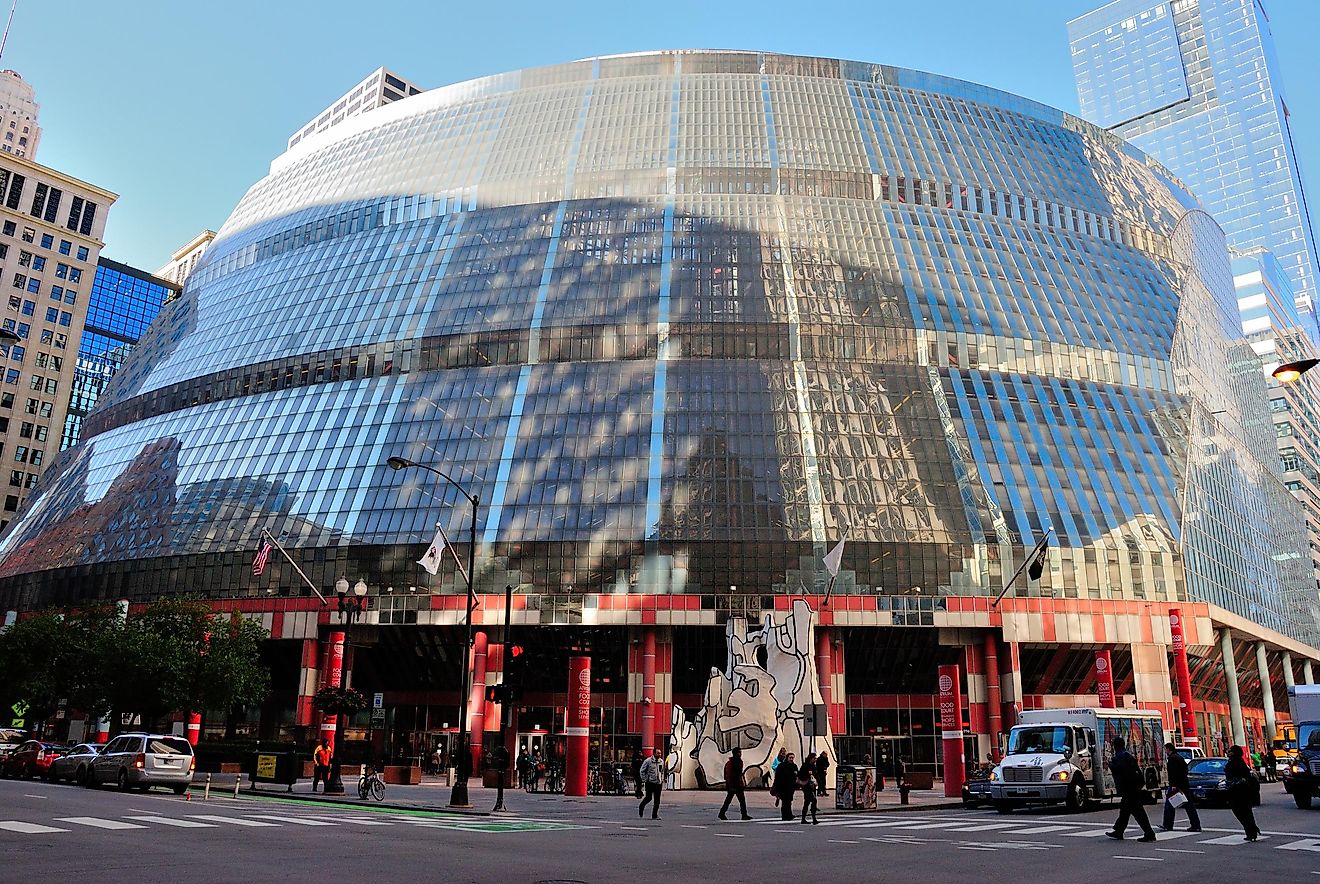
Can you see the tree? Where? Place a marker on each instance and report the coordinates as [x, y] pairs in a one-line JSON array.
[[52, 657]]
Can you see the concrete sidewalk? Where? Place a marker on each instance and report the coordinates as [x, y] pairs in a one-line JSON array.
[[433, 796]]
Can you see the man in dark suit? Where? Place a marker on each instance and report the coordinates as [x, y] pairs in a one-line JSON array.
[[1131, 786], [1178, 785]]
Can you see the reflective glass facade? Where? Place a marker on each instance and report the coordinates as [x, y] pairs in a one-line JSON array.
[[122, 303], [681, 320], [1195, 84]]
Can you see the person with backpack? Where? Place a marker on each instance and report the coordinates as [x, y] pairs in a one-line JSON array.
[[1131, 786], [733, 785], [806, 782], [1243, 790]]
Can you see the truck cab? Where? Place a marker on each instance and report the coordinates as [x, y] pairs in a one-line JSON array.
[[1060, 756], [1301, 774]]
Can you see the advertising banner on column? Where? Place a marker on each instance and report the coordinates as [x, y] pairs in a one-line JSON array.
[[1104, 679], [951, 727], [1183, 676], [577, 725], [334, 673]]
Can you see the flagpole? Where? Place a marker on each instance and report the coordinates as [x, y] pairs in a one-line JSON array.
[[1035, 551], [312, 586]]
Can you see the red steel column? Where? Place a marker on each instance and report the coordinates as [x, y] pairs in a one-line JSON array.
[[951, 727], [477, 698], [1186, 718], [494, 675], [194, 727], [648, 690], [994, 711], [334, 674], [307, 678], [1104, 679], [824, 666], [577, 726]]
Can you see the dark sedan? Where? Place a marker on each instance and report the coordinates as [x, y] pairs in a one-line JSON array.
[[32, 759], [1209, 785]]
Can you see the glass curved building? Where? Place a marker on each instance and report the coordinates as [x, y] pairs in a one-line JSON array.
[[682, 321]]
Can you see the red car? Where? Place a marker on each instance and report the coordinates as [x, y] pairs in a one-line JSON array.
[[33, 758]]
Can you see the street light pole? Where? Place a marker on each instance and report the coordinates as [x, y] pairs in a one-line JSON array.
[[351, 608], [458, 796]]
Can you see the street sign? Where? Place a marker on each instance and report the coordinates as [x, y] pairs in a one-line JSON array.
[[378, 701], [20, 713], [815, 719]]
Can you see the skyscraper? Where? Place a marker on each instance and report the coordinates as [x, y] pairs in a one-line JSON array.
[[379, 88], [185, 258], [1195, 84], [122, 303], [18, 116]]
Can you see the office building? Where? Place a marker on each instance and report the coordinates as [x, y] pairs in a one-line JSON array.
[[379, 88], [185, 258], [18, 116], [1196, 85], [51, 229], [122, 302], [677, 323]]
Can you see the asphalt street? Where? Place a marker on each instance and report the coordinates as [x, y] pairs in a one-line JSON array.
[[50, 832]]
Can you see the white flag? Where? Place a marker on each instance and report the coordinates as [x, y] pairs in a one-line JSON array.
[[834, 558], [431, 561]]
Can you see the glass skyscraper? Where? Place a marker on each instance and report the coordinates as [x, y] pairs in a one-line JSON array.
[[122, 303], [681, 321], [1195, 84]]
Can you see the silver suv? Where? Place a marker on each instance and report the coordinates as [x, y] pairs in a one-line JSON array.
[[143, 761]]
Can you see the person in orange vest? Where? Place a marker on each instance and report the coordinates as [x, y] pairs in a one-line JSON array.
[[321, 758]]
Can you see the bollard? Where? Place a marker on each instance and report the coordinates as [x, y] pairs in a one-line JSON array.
[[206, 795], [903, 793], [238, 778]]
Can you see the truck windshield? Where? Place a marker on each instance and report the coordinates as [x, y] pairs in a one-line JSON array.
[[1308, 736], [1029, 740]]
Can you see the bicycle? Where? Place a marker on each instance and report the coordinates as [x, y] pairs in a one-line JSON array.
[[370, 783]]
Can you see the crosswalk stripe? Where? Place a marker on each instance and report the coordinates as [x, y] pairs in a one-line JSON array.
[[171, 821], [985, 827], [1227, 839], [1170, 836], [884, 824], [234, 821], [27, 828], [97, 822], [945, 825], [1041, 830], [352, 820], [1092, 833], [295, 820]]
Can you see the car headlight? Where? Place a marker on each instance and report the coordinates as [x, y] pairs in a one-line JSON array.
[[1297, 768], [1061, 775], [1222, 784], [994, 776]]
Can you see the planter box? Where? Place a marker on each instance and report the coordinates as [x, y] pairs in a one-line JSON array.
[[402, 775], [920, 780]]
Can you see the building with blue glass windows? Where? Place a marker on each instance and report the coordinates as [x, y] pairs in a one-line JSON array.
[[1196, 85], [679, 322], [122, 302]]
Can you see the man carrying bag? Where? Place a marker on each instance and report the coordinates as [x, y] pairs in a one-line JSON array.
[[1180, 792]]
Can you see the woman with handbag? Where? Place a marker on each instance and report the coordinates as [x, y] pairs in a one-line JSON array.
[[1243, 787]]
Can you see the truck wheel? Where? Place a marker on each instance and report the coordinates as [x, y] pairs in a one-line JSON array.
[[1076, 800], [1003, 807], [1303, 800]]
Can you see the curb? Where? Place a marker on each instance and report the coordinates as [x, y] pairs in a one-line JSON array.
[[345, 802]]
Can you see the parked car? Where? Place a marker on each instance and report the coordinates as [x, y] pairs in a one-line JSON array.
[[11, 739], [1189, 753], [1209, 786], [144, 760], [976, 792], [31, 759], [75, 764]]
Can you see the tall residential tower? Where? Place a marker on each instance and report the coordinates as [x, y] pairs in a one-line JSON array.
[[1195, 84]]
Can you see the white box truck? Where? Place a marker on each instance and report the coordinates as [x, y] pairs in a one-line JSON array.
[[1301, 775], [1061, 756]]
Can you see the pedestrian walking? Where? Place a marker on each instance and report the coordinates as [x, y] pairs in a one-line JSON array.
[[822, 768], [733, 785], [652, 773], [1131, 786], [774, 768], [524, 767], [637, 773], [321, 763], [499, 762], [1243, 789], [806, 781], [785, 784], [1178, 786]]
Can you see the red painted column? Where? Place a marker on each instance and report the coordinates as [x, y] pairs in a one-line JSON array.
[[334, 674], [577, 726], [951, 728], [194, 727], [1183, 676], [477, 698], [648, 690], [308, 673], [1104, 679], [994, 709], [494, 674], [824, 666]]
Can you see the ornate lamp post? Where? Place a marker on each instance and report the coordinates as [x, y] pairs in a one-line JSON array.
[[459, 796], [351, 606]]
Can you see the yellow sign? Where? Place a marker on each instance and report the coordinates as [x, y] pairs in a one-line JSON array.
[[266, 767]]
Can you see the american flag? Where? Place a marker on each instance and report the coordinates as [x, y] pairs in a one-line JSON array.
[[259, 563]]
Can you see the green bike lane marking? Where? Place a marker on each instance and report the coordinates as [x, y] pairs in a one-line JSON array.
[[455, 820]]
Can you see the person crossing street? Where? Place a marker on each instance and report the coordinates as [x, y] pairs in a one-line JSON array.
[[733, 785], [1131, 786], [652, 774], [1178, 785]]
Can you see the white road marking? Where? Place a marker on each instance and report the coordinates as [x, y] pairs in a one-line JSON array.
[[27, 828], [1094, 833], [1178, 850], [170, 821], [97, 822], [1227, 839], [985, 827], [1312, 844], [971, 847], [944, 825], [359, 822], [38, 797], [635, 828], [296, 820], [1041, 830], [1141, 859], [1173, 836], [836, 841], [691, 826], [727, 835], [234, 821]]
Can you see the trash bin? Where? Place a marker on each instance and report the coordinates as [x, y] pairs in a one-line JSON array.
[[281, 768], [854, 787]]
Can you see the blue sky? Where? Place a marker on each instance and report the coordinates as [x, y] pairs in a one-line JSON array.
[[179, 107]]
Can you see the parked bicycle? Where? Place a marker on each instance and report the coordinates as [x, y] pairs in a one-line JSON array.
[[370, 783]]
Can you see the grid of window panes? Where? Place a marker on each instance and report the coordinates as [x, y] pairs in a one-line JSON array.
[[723, 308]]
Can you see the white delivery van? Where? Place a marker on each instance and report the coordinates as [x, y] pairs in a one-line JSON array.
[[1062, 756]]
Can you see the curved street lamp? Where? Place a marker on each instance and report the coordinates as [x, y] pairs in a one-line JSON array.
[[458, 797], [1291, 371], [352, 605]]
